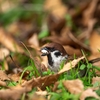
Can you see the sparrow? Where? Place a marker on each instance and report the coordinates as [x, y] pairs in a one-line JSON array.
[[56, 54]]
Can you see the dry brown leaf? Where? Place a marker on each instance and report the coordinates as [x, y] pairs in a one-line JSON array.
[[97, 64], [87, 32], [83, 5], [42, 93], [89, 12], [94, 81], [41, 82], [55, 86], [40, 66], [72, 51], [55, 24], [9, 42], [34, 40], [13, 28], [94, 42], [70, 65], [88, 93], [62, 38], [21, 30], [74, 86], [78, 42], [13, 93], [67, 38], [37, 97], [3, 76], [14, 77], [44, 61], [56, 7], [3, 53], [2, 83], [6, 5], [94, 56]]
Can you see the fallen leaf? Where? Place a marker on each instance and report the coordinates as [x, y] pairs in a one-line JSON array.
[[95, 79], [37, 97], [40, 66], [87, 32], [56, 7], [88, 93], [94, 42], [62, 38], [34, 40], [3, 76], [3, 53], [13, 93], [14, 77], [42, 93], [89, 12], [78, 42], [6, 5], [82, 4], [55, 86], [55, 24], [13, 28], [74, 86], [72, 51], [41, 82], [97, 64], [2, 83], [70, 65], [67, 38], [9, 42], [96, 82], [44, 61]]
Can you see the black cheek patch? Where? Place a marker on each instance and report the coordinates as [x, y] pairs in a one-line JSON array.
[[50, 60], [57, 54]]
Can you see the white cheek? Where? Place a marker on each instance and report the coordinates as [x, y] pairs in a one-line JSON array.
[[57, 60], [44, 51]]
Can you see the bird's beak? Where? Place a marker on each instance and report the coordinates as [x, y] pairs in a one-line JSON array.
[[44, 51]]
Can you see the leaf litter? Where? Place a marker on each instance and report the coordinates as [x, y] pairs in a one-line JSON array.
[[74, 24]]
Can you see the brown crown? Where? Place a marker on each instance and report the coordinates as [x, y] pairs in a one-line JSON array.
[[57, 46]]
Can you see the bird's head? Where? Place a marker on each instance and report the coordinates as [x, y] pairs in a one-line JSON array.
[[53, 47], [55, 54]]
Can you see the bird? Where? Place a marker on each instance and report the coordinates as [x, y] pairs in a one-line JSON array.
[[56, 54]]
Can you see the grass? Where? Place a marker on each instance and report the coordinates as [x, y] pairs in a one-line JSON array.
[[19, 13], [62, 93]]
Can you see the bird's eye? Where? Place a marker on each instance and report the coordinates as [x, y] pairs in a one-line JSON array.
[[57, 54]]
